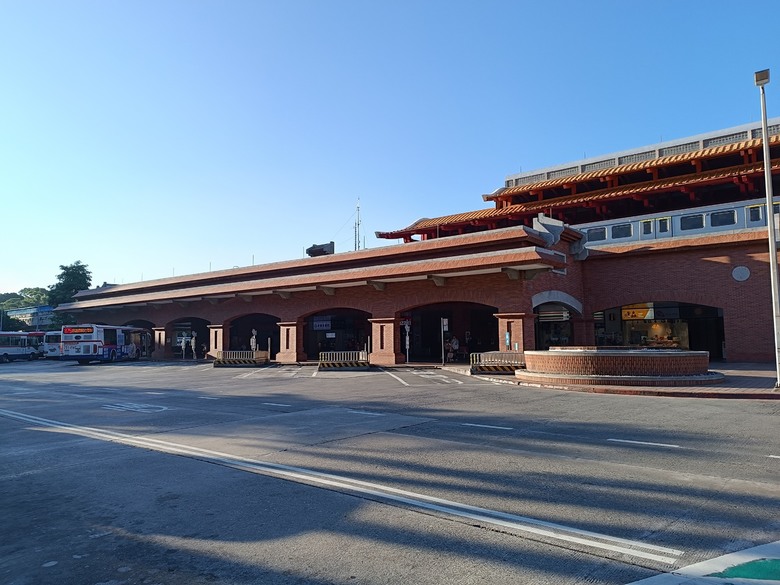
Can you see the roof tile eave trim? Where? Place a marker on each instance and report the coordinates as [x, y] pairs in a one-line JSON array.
[[369, 256], [632, 167], [453, 264]]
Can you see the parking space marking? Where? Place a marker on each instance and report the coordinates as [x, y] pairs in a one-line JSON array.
[[645, 443], [275, 404], [520, 524], [487, 426], [394, 376], [132, 407]]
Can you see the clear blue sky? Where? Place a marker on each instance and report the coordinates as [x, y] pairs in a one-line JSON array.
[[151, 138]]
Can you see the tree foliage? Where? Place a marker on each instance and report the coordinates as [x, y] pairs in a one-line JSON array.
[[70, 280]]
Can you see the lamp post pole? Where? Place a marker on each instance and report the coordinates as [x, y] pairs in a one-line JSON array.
[[761, 79]]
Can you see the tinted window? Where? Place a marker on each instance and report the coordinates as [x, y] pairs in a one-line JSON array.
[[622, 230], [663, 225], [597, 234], [692, 222], [647, 228], [754, 213], [720, 218]]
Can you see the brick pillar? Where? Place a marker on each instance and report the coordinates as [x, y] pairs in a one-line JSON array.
[[520, 330], [291, 342], [162, 343], [386, 336], [583, 332], [216, 340]]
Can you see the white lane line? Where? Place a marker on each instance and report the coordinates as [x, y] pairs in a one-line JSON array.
[[394, 376], [208, 397], [365, 412], [774, 456], [245, 375], [275, 404], [487, 426], [550, 530], [645, 443], [154, 392], [315, 372]]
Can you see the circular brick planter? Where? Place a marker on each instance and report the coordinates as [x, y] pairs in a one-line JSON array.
[[620, 366]]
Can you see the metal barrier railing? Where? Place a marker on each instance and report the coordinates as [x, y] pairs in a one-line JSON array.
[[498, 358], [343, 356], [242, 355]]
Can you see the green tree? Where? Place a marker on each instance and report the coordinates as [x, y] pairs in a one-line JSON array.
[[71, 279]]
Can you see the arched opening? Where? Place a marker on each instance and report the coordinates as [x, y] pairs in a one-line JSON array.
[[552, 325], [474, 326], [665, 324], [143, 324], [336, 330], [181, 337], [266, 328]]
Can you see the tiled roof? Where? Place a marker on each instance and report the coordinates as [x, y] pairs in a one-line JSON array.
[[633, 167], [533, 207]]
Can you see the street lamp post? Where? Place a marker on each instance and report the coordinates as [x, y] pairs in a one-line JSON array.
[[761, 79]]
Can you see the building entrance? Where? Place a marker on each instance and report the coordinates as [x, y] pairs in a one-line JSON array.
[[663, 325], [472, 324], [336, 330]]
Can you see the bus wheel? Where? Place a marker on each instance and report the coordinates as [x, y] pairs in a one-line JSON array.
[[83, 362], [30, 357], [137, 354], [4, 358], [112, 357]]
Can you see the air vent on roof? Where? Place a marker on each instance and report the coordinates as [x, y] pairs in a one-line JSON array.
[[602, 164], [726, 139], [679, 148], [771, 130], [557, 174], [637, 157]]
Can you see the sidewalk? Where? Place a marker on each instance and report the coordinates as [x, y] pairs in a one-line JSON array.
[[743, 381]]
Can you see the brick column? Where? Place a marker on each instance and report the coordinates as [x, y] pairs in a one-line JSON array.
[[520, 327], [386, 339], [291, 342], [216, 340]]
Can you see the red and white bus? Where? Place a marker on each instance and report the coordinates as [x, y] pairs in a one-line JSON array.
[[105, 343], [52, 344], [20, 345]]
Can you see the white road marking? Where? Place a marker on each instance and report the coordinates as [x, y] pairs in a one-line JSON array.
[[699, 572], [550, 530], [774, 456], [132, 407], [315, 372], [645, 443], [246, 374], [275, 404], [365, 412], [154, 392], [208, 397], [487, 426], [394, 376]]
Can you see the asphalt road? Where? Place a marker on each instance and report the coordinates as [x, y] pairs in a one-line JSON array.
[[180, 473]]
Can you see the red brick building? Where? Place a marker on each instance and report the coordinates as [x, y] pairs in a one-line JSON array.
[[658, 246]]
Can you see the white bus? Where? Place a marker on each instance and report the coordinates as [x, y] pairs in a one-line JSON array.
[[105, 343], [20, 345], [51, 344]]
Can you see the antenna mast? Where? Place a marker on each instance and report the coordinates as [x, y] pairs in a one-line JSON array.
[[357, 226]]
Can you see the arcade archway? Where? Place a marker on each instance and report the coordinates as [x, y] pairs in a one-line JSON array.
[[473, 324], [336, 330], [181, 330], [240, 333]]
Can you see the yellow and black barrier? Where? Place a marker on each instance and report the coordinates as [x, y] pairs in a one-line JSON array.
[[344, 360], [496, 362], [241, 358]]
